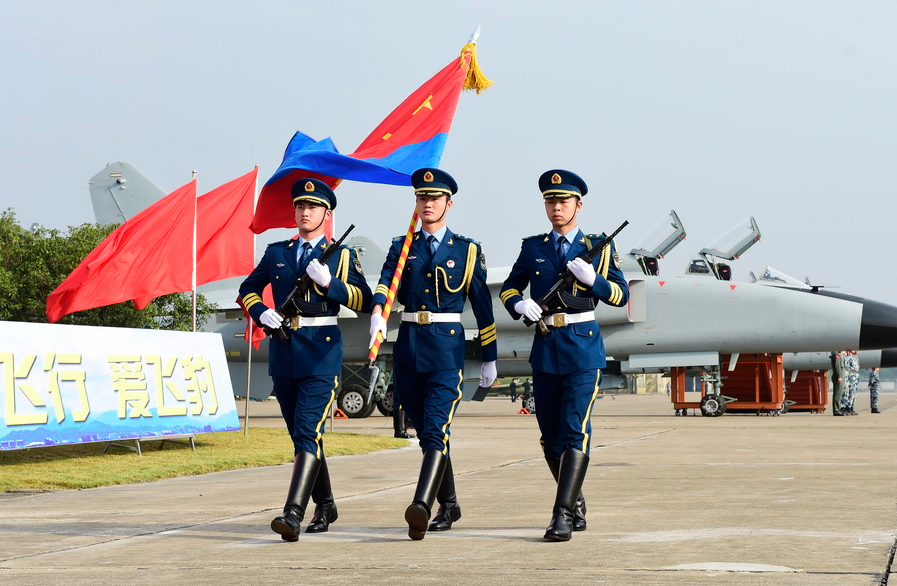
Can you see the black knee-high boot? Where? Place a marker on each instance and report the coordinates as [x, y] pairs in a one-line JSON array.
[[579, 511], [417, 515], [399, 424], [449, 510], [325, 506], [305, 472], [571, 474]]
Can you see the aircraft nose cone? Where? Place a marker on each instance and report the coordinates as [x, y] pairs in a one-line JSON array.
[[878, 328]]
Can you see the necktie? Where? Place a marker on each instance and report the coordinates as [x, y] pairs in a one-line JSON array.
[[306, 252], [561, 254], [431, 246]]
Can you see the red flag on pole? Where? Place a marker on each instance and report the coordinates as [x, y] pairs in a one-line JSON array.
[[258, 334], [145, 257], [224, 242]]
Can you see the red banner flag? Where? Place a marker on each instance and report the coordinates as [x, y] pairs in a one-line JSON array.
[[258, 333], [224, 242], [143, 258]]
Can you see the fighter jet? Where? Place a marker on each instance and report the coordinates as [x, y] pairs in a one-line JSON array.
[[688, 320]]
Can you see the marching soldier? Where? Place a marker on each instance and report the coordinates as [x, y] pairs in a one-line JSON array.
[[442, 270], [306, 368], [566, 362]]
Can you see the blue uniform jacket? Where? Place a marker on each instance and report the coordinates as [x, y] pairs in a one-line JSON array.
[[312, 350], [577, 346], [440, 285]]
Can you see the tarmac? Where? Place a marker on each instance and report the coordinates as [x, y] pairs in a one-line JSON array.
[[796, 499]]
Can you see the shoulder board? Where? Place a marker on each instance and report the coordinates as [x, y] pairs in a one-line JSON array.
[[281, 243], [398, 238], [540, 236], [466, 239]]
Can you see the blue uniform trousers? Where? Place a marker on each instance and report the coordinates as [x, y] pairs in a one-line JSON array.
[[305, 403], [430, 400], [564, 408]]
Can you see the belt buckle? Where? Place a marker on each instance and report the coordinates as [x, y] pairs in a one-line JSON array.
[[295, 322], [559, 320], [423, 318]]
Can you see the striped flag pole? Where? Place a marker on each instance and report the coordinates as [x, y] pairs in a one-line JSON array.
[[394, 286]]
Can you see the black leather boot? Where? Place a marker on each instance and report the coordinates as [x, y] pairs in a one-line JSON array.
[[399, 424], [305, 472], [579, 511], [417, 515], [325, 506], [571, 474], [449, 510]]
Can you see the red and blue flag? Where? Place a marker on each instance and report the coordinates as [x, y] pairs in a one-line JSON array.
[[411, 137]]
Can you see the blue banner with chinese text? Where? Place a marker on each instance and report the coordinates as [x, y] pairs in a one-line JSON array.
[[66, 384]]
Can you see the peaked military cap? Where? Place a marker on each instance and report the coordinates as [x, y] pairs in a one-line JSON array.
[[562, 184], [432, 181], [314, 191]]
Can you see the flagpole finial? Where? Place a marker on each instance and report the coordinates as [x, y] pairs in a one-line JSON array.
[[476, 34]]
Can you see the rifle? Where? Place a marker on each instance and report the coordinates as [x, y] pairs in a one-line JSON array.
[[294, 302], [556, 294]]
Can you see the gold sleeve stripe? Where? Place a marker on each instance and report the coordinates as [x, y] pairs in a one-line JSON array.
[[487, 330], [616, 294], [505, 295], [381, 289], [251, 299], [486, 340], [355, 297]]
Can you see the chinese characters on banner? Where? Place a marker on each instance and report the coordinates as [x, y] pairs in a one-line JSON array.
[[73, 384]]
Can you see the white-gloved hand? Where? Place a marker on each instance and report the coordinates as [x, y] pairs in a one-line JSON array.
[[378, 325], [488, 374], [583, 271], [528, 309], [319, 273], [271, 318]]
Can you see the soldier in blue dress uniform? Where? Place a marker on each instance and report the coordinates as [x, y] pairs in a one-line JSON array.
[[306, 368], [442, 271], [566, 362]]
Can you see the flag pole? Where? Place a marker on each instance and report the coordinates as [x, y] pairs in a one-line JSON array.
[[255, 198], [193, 274], [394, 286]]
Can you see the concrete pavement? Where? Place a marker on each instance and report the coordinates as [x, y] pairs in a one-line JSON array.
[[740, 499]]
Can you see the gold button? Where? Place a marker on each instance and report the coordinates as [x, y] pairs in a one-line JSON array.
[[429, 274], [328, 337], [590, 333], [451, 277], [537, 272], [276, 277], [451, 331], [426, 290], [423, 306]]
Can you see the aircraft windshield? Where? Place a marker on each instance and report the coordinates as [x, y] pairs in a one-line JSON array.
[[662, 238], [773, 276]]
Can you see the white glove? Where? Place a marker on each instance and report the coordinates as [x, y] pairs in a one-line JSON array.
[[488, 374], [319, 273], [378, 325], [583, 271], [271, 318], [528, 309]]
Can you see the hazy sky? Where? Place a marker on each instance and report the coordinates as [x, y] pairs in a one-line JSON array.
[[720, 109]]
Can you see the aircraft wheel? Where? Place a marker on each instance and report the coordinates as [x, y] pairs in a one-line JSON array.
[[351, 401], [712, 406], [387, 403], [529, 403]]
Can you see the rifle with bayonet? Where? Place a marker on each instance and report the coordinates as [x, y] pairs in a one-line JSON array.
[[295, 303], [557, 295]]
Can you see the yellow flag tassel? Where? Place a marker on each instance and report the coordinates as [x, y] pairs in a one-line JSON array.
[[476, 79]]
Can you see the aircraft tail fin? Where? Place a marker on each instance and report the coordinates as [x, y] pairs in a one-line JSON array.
[[120, 191]]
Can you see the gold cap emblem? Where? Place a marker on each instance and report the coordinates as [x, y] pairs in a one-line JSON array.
[[309, 186], [428, 177], [556, 179]]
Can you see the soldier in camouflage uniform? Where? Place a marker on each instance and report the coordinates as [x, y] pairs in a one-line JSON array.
[[839, 382], [874, 386], [852, 366]]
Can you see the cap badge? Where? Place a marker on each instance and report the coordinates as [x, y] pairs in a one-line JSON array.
[[556, 179], [450, 264], [309, 186], [428, 177]]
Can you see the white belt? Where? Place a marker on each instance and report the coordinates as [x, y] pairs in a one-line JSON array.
[[559, 320], [423, 318], [312, 322]]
